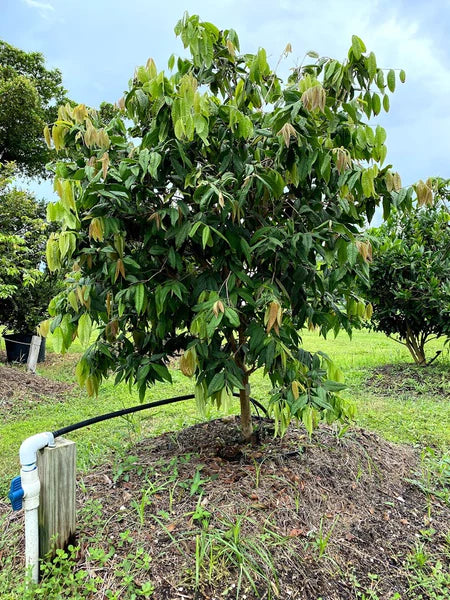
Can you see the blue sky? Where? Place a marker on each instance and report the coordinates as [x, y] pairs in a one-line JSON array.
[[98, 43]]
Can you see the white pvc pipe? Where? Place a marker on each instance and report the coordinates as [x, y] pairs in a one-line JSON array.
[[31, 488], [31, 445]]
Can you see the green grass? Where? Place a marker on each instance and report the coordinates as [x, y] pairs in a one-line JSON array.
[[422, 419]]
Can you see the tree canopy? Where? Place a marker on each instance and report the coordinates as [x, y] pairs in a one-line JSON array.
[[222, 221], [29, 96], [409, 283], [23, 235]]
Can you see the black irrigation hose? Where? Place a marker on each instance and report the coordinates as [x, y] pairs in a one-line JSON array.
[[133, 409]]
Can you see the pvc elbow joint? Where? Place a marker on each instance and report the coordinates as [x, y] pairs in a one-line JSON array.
[[30, 446]]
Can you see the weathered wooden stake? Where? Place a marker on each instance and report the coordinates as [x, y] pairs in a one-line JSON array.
[[57, 474], [33, 354]]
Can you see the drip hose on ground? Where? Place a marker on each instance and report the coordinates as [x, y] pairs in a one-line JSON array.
[[133, 409]]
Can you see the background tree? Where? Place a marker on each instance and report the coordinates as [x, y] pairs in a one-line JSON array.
[[25, 286], [222, 221], [29, 96], [409, 284]]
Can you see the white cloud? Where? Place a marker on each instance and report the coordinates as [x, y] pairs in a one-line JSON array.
[[41, 6]]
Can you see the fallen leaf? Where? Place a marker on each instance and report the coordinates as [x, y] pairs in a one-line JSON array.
[[295, 532]]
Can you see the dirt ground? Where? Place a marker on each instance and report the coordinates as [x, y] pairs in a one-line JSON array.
[[18, 386], [411, 380]]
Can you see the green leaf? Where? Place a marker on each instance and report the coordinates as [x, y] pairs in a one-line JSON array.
[[216, 384], [82, 371], [352, 253], [72, 299], [380, 80], [206, 237], [155, 161], [380, 136], [325, 167], [162, 372], [139, 297], [358, 47], [307, 419], [84, 329], [213, 325], [194, 228], [58, 340], [179, 129], [386, 102], [354, 179], [368, 104], [371, 63], [333, 386], [367, 183], [232, 316], [391, 80], [402, 76], [144, 157], [376, 104], [342, 252]]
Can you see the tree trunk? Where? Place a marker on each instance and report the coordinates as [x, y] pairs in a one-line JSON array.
[[244, 394], [417, 350], [416, 347], [246, 417]]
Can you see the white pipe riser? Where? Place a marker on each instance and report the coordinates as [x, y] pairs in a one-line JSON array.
[[31, 445], [31, 488], [32, 543]]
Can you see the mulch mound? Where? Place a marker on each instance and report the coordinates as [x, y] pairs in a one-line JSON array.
[[310, 517], [19, 386], [410, 379]]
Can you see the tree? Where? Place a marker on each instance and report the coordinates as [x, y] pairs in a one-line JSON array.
[[21, 225], [29, 96], [410, 275], [222, 221], [25, 286]]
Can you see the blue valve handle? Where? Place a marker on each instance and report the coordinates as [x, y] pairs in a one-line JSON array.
[[16, 493]]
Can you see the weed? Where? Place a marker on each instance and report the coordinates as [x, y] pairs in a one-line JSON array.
[[225, 548], [146, 498], [433, 477], [195, 484], [427, 577], [363, 592], [258, 465], [123, 465], [320, 539], [201, 515]]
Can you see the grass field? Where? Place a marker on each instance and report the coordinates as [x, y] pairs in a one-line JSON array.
[[415, 409]]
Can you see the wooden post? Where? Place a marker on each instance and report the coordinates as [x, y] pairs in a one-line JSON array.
[[33, 353], [57, 474]]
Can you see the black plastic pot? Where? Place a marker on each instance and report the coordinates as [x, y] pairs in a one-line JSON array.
[[18, 346]]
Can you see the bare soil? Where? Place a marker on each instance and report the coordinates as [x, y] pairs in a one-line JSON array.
[[20, 391], [403, 378]]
